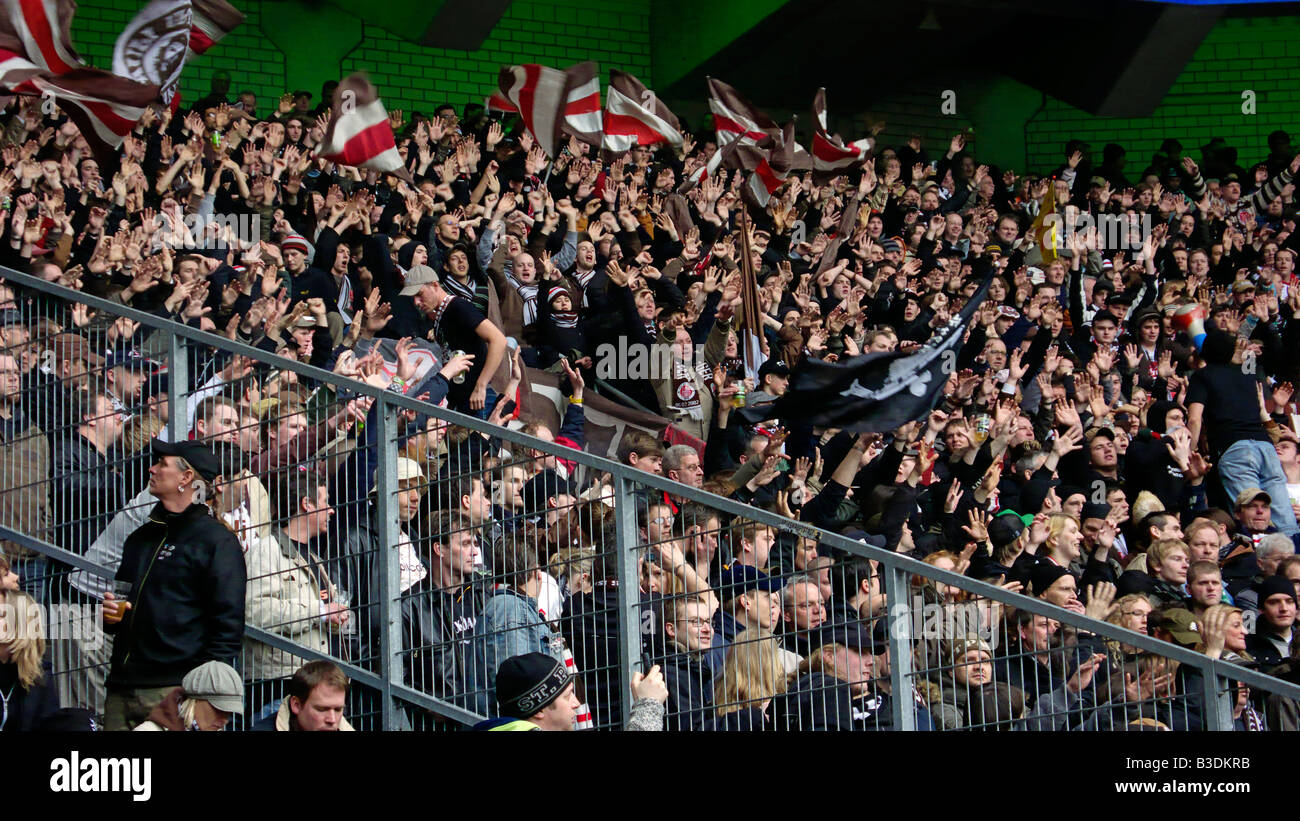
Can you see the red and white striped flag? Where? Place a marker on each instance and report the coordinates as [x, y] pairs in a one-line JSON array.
[[830, 156], [552, 102], [735, 118], [37, 57], [582, 114], [359, 133], [634, 116], [212, 20], [771, 171]]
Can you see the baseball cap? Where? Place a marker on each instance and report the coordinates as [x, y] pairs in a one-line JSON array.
[[1241, 286], [127, 359], [1182, 625], [773, 367], [407, 469], [1093, 433], [1250, 494], [417, 278], [1005, 529], [218, 684], [741, 578], [200, 456]]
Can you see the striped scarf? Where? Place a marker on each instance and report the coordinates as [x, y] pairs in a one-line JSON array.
[[476, 293]]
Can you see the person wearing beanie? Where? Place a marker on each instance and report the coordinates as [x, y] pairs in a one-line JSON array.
[[535, 691], [1223, 400], [558, 326], [1271, 642], [208, 696]]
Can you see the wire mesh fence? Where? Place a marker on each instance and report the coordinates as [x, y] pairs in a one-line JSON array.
[[419, 549]]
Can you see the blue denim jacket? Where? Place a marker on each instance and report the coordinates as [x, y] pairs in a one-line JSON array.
[[509, 625]]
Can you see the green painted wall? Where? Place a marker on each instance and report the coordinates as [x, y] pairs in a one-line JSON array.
[[615, 33], [688, 32], [1260, 54]]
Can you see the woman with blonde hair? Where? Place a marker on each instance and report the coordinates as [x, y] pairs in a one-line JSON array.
[[28, 695], [751, 677]]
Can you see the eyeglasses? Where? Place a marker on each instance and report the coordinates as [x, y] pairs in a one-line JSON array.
[[698, 623], [663, 521]]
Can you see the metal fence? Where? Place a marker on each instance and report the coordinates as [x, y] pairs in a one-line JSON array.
[[419, 548]]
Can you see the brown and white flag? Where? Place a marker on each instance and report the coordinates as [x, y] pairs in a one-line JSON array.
[[212, 20], [830, 156], [37, 57], [635, 116], [359, 133], [153, 46]]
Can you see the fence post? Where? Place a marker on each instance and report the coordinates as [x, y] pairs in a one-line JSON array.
[[178, 382], [1218, 701], [898, 620], [629, 585], [390, 611]]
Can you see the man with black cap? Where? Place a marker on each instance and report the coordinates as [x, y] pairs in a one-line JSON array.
[[180, 592], [1271, 642], [773, 380], [535, 692]]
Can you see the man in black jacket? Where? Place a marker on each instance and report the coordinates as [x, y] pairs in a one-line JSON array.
[[186, 578], [688, 626], [1271, 643]]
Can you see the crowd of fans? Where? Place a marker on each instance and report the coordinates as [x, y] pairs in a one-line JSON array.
[[1086, 452]]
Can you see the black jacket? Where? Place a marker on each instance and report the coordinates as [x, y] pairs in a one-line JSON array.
[[690, 691], [27, 710], [818, 701], [86, 492], [187, 598]]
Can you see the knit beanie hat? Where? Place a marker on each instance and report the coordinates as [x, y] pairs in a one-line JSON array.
[[527, 684]]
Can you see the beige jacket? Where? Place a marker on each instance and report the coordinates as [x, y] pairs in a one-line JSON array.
[[283, 597]]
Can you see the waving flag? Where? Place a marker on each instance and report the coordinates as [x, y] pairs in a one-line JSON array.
[[552, 102], [735, 118], [152, 47], [634, 116], [876, 392], [582, 115], [830, 156], [771, 170], [37, 57], [212, 20], [359, 133]]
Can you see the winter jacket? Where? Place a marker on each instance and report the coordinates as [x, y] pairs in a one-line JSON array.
[[284, 597], [188, 581], [690, 691], [24, 473], [166, 716], [26, 710], [85, 494], [508, 626]]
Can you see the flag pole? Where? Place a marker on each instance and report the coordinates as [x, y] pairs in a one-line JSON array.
[[750, 313]]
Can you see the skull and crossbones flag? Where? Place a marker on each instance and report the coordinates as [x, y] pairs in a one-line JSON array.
[[876, 392]]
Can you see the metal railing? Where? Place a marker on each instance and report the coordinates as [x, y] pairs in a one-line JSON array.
[[452, 544]]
